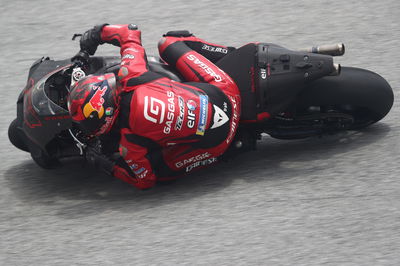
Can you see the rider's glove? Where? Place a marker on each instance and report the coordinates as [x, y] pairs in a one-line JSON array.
[[81, 59], [99, 160], [91, 39]]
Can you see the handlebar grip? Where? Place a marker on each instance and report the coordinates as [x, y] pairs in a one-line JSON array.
[[99, 160], [81, 58]]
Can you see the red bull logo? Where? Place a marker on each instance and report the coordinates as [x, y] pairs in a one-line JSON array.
[[96, 102]]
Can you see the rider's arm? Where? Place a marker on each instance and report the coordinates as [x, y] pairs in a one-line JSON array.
[[133, 166], [133, 56]]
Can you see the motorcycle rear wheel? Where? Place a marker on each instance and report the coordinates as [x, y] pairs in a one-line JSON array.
[[360, 93], [353, 100]]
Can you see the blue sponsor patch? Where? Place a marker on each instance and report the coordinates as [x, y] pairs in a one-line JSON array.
[[139, 171], [201, 126]]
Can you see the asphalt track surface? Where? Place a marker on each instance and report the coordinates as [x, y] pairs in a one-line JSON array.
[[320, 201]]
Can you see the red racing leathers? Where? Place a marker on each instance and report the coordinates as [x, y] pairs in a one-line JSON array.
[[170, 128]]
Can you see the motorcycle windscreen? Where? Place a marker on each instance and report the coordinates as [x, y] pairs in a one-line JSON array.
[[42, 103], [43, 118]]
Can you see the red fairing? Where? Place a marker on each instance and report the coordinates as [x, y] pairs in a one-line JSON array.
[[165, 119]]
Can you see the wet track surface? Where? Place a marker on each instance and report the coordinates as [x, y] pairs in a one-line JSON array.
[[332, 200]]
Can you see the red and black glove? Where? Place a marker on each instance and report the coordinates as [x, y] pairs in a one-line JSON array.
[[91, 39], [99, 160]]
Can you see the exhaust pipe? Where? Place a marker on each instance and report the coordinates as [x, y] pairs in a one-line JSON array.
[[332, 50]]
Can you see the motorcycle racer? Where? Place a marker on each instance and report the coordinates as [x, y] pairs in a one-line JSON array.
[[167, 128]]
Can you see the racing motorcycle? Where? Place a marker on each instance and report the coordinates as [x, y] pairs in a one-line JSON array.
[[286, 94]]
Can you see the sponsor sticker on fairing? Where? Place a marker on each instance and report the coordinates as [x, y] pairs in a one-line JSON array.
[[201, 126]]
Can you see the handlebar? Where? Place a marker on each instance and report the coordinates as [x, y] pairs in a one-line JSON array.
[[95, 156], [81, 59]]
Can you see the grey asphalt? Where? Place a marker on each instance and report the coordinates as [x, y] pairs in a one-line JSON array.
[[320, 201]]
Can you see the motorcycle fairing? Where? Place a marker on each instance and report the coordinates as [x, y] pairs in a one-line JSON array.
[[270, 77], [43, 118]]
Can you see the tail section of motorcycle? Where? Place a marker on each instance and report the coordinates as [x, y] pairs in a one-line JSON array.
[[283, 74], [275, 75], [295, 94]]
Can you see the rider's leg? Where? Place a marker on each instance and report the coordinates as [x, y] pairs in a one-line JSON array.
[[211, 51]]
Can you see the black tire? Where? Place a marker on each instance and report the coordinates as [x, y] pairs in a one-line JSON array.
[[18, 139], [44, 160], [17, 136], [361, 93]]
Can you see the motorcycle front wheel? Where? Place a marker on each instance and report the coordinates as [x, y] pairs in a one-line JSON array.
[[16, 136]]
